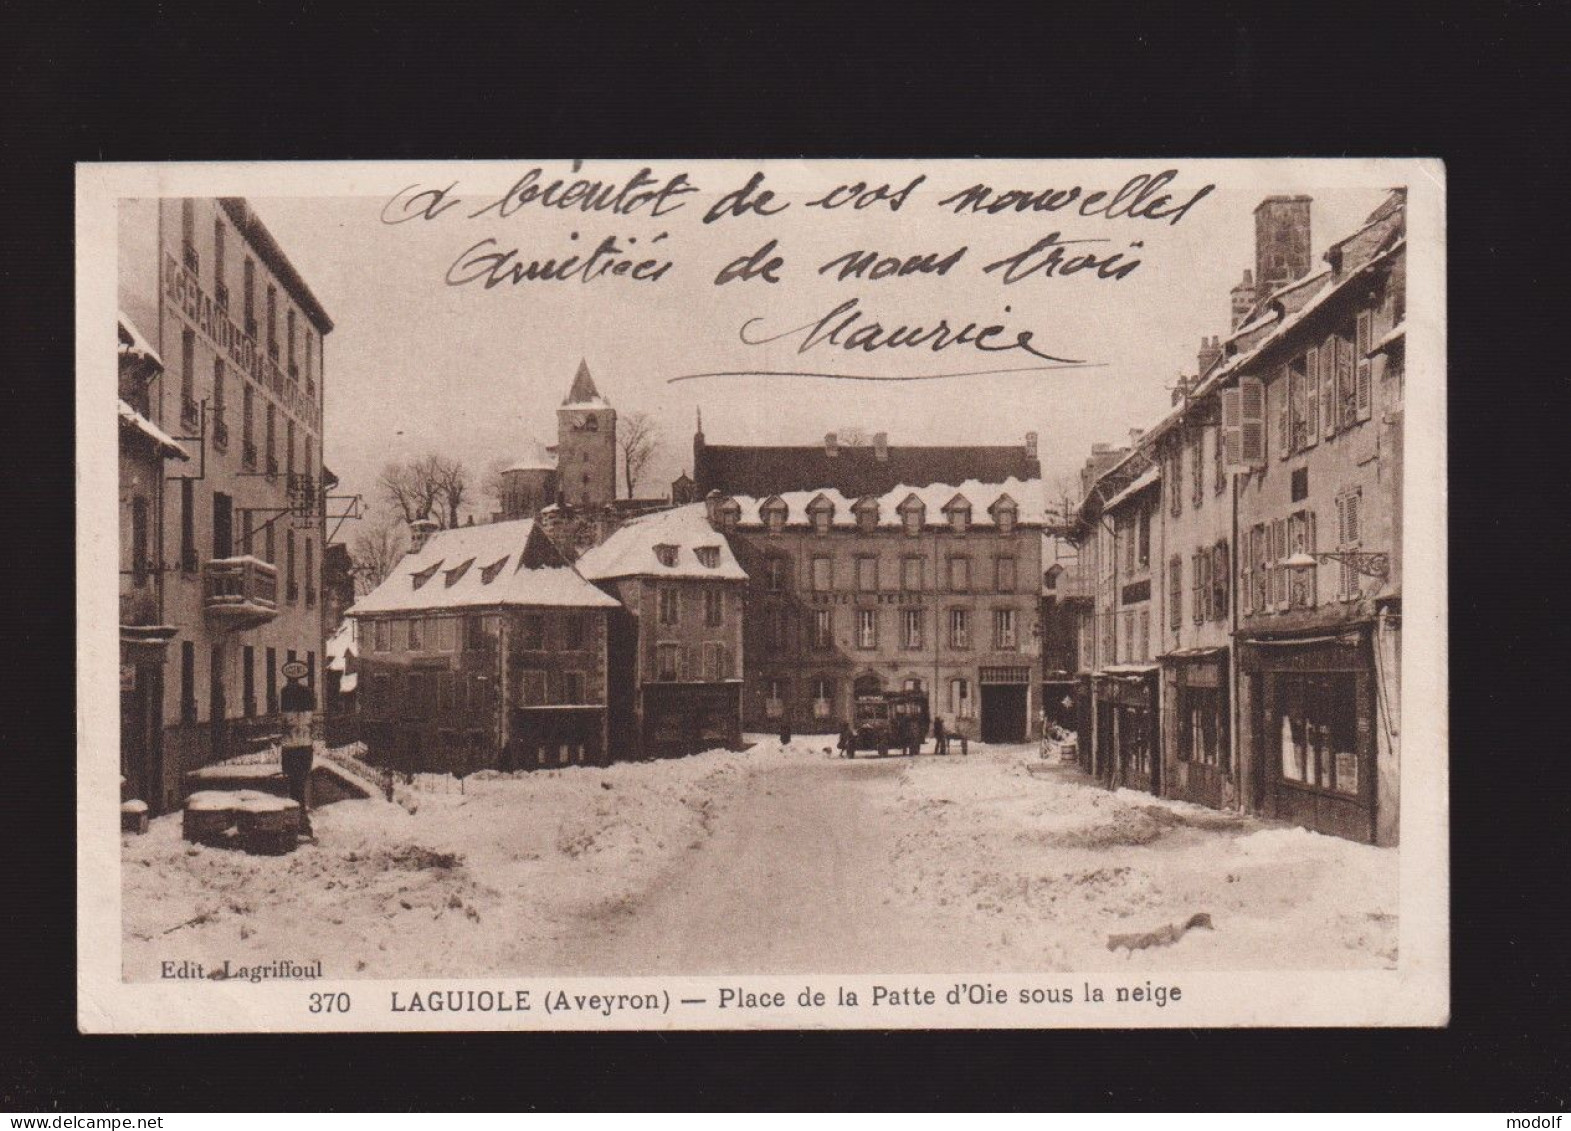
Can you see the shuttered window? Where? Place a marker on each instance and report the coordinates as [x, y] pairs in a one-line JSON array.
[[1175, 591], [1362, 393]]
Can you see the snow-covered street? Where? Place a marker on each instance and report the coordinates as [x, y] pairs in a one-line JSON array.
[[777, 860]]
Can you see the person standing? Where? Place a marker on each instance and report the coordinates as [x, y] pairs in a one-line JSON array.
[[298, 703], [785, 730], [940, 736], [847, 741]]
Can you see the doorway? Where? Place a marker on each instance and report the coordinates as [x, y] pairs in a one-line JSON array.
[[1003, 712]]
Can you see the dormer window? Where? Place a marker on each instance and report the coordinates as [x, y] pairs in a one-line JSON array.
[[866, 515], [774, 511], [1005, 514], [708, 556], [959, 513], [666, 555], [422, 576], [822, 514], [730, 514], [453, 575], [913, 516], [488, 573]]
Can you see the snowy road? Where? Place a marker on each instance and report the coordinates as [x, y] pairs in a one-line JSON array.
[[792, 880], [777, 860]]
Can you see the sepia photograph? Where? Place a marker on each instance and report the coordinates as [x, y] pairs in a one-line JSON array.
[[712, 594]]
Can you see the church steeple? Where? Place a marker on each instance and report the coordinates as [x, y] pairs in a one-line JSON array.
[[583, 391]]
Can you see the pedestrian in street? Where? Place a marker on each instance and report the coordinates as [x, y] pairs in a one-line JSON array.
[[785, 730], [298, 704], [847, 741], [940, 736]]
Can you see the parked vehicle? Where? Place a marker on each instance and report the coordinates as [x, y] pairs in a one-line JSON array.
[[897, 719]]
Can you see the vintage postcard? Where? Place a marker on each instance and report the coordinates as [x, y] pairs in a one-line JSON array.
[[674, 594]]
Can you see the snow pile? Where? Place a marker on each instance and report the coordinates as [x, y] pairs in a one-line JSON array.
[[1037, 870], [493, 879]]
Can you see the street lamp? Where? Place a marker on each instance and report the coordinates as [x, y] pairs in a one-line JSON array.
[[1368, 564]]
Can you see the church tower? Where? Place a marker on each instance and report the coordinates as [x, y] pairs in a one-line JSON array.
[[586, 445]]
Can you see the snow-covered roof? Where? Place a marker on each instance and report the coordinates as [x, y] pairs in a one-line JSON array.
[[132, 341], [1389, 338], [631, 552], [165, 443], [1026, 495], [583, 394], [1141, 482], [534, 456], [479, 567]]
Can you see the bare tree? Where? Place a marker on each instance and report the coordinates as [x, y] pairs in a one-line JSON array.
[[432, 487], [376, 549], [639, 438], [492, 485]]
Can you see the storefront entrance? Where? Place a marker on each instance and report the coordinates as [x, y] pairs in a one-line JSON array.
[[1312, 732], [1006, 704], [1196, 733], [1128, 741]]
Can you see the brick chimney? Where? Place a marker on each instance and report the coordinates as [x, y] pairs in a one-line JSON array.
[[831, 445], [1243, 296], [1281, 242], [881, 446], [1210, 353], [420, 531], [1031, 445]]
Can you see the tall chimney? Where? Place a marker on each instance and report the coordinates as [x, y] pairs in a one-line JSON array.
[[831, 445], [420, 531], [881, 446], [1281, 241], [1031, 445], [1243, 295], [1210, 354]]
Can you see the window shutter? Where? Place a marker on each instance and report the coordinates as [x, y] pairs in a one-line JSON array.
[[1246, 567], [1328, 387], [1312, 399], [1251, 422], [1220, 575], [1364, 395], [1278, 573], [1314, 574], [1355, 533], [1175, 592], [1281, 396], [1347, 408]]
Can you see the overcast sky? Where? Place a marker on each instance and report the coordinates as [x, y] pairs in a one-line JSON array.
[[417, 365]]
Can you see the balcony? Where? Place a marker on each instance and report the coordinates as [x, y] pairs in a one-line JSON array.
[[221, 296], [242, 592]]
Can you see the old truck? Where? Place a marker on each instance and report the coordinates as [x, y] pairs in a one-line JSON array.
[[891, 719]]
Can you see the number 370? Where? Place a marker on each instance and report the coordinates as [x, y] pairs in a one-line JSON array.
[[329, 1003]]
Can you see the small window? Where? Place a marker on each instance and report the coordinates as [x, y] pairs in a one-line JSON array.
[[714, 606], [708, 556], [959, 519], [823, 628], [867, 628], [914, 518], [775, 574], [572, 625], [666, 555], [913, 575], [1300, 484], [960, 628], [1004, 636], [867, 574], [960, 575], [1006, 519], [912, 626], [573, 688], [670, 609], [823, 698], [822, 518], [775, 517], [668, 662], [531, 632], [823, 573], [531, 687], [1005, 574]]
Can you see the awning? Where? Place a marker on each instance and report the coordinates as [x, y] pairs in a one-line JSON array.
[[1193, 653], [1127, 669]]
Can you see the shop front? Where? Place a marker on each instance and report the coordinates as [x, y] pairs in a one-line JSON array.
[[1128, 751], [1196, 735], [689, 718], [1311, 730]]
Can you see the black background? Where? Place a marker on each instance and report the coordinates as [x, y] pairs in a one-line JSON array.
[[303, 82]]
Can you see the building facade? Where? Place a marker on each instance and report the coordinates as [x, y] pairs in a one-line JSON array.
[[484, 649], [877, 569], [242, 388], [144, 635], [676, 644]]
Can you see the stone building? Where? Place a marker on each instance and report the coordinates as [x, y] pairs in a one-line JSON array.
[[242, 390], [676, 645], [880, 568], [580, 471], [484, 649], [144, 634]]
